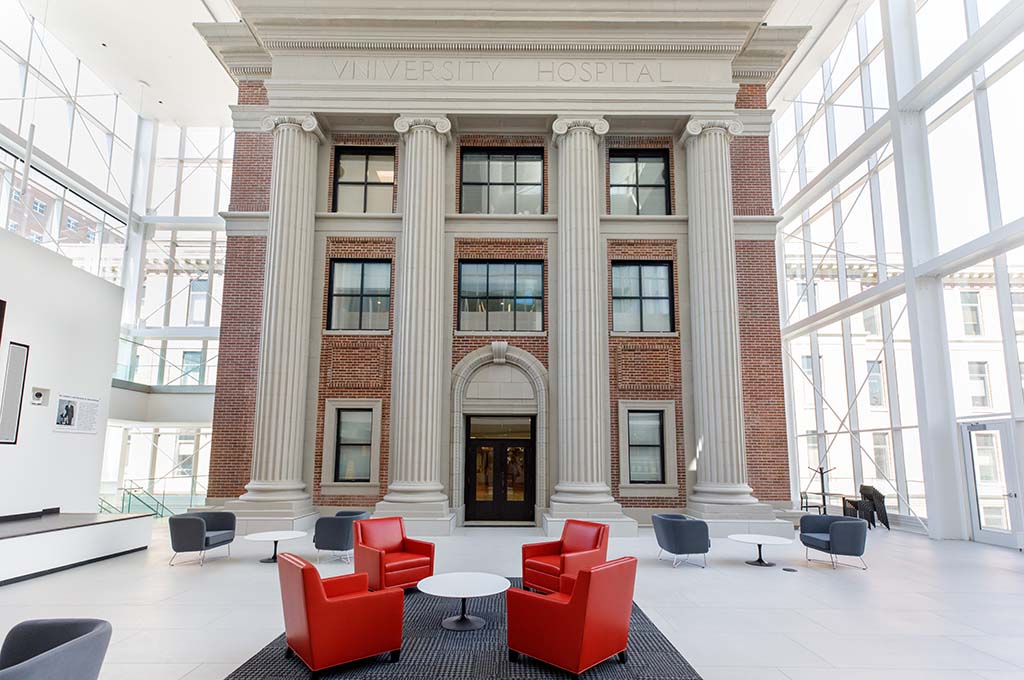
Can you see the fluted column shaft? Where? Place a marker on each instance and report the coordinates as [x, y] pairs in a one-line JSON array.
[[582, 450], [284, 340], [714, 315], [417, 397]]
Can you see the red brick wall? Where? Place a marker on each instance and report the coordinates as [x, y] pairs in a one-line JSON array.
[[355, 367], [646, 368], [237, 364], [505, 141], [254, 151], [499, 249], [751, 163], [764, 406], [381, 139], [752, 96], [639, 142]]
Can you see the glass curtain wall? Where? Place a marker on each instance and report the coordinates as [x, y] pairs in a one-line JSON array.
[[842, 272]]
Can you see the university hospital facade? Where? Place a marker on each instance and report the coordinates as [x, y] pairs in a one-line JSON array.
[[508, 266]]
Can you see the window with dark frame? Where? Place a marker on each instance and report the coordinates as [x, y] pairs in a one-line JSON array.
[[353, 445], [646, 438], [501, 295], [638, 182], [502, 181], [642, 297], [360, 295], [364, 179]]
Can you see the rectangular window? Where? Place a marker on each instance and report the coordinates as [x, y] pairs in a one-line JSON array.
[[191, 367], [198, 296], [970, 306], [16, 196], [1017, 300], [38, 206], [881, 454], [364, 179], [185, 456], [72, 224], [501, 295], [876, 385], [811, 440], [12, 226], [638, 182], [870, 317], [642, 297], [646, 447], [502, 181], [360, 295], [977, 378], [353, 447]]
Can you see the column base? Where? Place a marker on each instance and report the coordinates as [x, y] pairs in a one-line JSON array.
[[606, 513], [429, 518], [254, 516], [275, 491], [723, 527]]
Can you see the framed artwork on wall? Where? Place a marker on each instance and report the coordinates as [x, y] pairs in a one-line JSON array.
[[3, 308], [13, 391]]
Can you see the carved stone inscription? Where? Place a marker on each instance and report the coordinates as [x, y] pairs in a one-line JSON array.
[[639, 71]]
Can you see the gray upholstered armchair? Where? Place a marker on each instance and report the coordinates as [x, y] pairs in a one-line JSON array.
[[335, 533], [834, 535], [55, 649], [201, 531], [681, 535]]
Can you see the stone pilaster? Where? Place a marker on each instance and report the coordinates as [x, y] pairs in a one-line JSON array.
[[421, 299], [721, 489], [581, 324], [276, 497]]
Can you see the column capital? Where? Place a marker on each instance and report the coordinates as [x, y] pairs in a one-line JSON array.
[[596, 124], [439, 124], [307, 121], [695, 127]]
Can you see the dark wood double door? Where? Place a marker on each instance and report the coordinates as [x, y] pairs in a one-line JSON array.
[[500, 469]]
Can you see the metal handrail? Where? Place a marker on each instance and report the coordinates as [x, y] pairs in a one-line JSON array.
[[107, 506], [135, 490]]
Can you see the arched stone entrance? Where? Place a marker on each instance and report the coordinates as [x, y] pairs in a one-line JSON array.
[[498, 379]]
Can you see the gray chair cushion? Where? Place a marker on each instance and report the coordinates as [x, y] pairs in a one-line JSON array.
[[214, 538], [55, 649], [681, 535], [816, 541]]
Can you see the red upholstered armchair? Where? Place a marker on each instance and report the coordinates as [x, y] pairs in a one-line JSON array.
[[584, 623], [388, 557], [583, 544], [332, 621]]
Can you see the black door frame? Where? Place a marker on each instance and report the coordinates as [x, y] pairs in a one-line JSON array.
[[501, 510]]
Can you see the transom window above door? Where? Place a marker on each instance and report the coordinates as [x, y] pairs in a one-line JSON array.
[[502, 181], [360, 295], [638, 182], [364, 179], [642, 297], [501, 296]]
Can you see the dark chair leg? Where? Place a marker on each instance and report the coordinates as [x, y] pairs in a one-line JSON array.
[[288, 653], [622, 657], [394, 655], [513, 655]]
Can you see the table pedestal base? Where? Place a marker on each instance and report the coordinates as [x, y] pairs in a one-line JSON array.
[[463, 621], [273, 558], [759, 562]]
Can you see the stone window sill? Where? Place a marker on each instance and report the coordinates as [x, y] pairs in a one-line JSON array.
[[656, 490], [361, 333], [642, 334], [349, 488], [501, 334]]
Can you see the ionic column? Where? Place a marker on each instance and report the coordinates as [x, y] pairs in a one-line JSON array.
[[580, 304], [417, 373], [714, 317], [284, 336]]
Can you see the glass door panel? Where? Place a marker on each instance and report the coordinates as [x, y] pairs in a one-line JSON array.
[[484, 473], [515, 473], [992, 482]]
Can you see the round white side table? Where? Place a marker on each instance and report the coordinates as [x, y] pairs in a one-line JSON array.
[[275, 536], [759, 540], [463, 585]]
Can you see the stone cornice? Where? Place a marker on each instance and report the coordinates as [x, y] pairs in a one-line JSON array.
[[439, 124], [598, 125], [766, 53], [756, 122], [307, 121], [708, 47]]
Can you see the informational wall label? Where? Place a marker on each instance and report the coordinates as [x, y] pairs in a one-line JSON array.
[[78, 415]]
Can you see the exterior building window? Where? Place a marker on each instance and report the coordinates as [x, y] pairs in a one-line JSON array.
[[642, 297], [12, 226], [198, 296], [994, 516], [360, 295], [977, 378], [646, 447], [881, 453], [638, 182], [807, 366], [501, 296], [38, 206], [970, 305], [353, 445], [90, 235], [185, 456], [364, 180], [16, 196], [502, 181], [870, 317], [986, 458], [876, 386], [812, 447], [36, 237], [1017, 300], [72, 224], [191, 367]]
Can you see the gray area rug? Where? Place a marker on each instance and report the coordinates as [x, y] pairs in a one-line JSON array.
[[429, 652]]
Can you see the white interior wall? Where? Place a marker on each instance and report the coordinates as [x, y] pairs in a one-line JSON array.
[[70, 320]]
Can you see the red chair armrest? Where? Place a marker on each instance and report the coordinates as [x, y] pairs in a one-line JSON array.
[[537, 623], [538, 549], [346, 585], [419, 547], [573, 562], [566, 583]]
